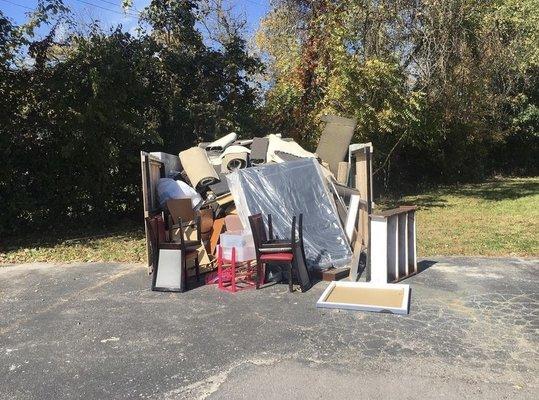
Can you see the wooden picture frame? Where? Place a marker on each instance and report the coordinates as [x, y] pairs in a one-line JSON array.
[[169, 274], [364, 296]]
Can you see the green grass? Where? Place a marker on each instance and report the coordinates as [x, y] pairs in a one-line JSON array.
[[124, 243], [496, 218]]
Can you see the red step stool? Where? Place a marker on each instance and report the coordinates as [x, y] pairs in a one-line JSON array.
[[233, 276]]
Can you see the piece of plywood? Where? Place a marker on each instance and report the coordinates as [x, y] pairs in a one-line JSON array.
[[218, 226], [233, 223], [342, 173], [361, 183], [363, 296], [180, 209], [206, 221], [354, 268], [373, 297], [335, 139], [332, 274]]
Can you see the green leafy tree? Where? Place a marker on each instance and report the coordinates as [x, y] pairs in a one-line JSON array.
[[440, 87], [79, 107]]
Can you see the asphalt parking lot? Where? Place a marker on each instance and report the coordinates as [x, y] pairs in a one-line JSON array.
[[96, 331]]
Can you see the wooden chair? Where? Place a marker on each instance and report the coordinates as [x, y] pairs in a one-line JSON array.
[[181, 227], [273, 250], [188, 248]]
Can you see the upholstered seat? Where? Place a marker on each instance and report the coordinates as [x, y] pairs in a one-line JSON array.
[[276, 257]]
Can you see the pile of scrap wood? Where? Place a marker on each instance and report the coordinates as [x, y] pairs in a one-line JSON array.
[[331, 187]]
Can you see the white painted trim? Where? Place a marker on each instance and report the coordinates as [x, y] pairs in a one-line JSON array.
[[378, 251], [412, 246], [402, 248], [392, 253], [351, 216]]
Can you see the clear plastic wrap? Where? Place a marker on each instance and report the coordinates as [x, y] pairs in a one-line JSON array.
[[287, 189]]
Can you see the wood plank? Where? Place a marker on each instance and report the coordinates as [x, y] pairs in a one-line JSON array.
[[412, 255], [351, 216], [354, 269], [333, 274], [395, 211], [402, 245], [218, 226], [378, 250], [361, 186], [342, 173], [392, 253]]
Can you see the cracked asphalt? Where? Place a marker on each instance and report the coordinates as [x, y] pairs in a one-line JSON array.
[[95, 331]]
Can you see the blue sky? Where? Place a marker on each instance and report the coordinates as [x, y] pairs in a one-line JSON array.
[[111, 13]]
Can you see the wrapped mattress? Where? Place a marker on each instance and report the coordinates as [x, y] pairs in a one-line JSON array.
[[287, 189]]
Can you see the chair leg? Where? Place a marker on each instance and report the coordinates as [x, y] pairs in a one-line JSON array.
[[290, 284], [185, 284], [258, 274], [197, 269]]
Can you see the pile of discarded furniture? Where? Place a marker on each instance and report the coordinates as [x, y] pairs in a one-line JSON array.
[[245, 213]]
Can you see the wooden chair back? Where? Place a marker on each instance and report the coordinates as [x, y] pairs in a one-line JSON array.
[[259, 232]]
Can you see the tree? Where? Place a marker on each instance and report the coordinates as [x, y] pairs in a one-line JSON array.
[[80, 107], [434, 84]]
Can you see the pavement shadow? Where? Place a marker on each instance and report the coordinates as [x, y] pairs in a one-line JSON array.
[[424, 265]]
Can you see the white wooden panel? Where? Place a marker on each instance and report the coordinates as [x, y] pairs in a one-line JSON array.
[[378, 250], [351, 217], [412, 256], [403, 244], [392, 244]]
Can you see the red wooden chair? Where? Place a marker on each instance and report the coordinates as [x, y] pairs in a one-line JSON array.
[[270, 251]]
